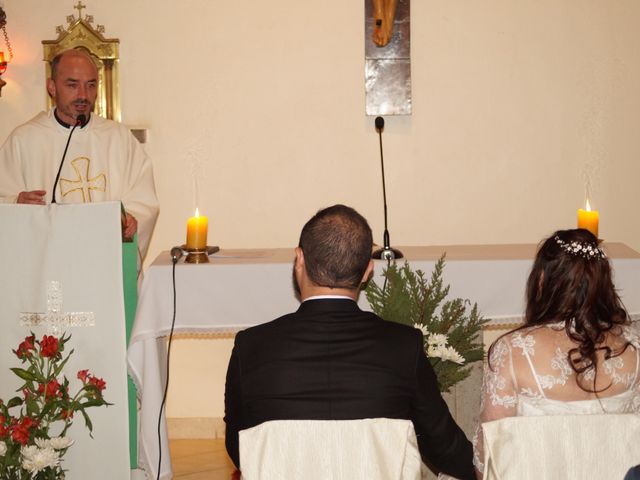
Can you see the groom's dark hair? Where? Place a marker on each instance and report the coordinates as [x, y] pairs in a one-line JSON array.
[[337, 244]]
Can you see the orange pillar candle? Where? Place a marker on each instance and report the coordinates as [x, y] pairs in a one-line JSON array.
[[589, 219], [197, 232]]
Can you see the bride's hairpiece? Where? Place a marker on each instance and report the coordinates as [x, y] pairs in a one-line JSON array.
[[582, 249]]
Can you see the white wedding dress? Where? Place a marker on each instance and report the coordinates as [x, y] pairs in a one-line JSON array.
[[531, 376]]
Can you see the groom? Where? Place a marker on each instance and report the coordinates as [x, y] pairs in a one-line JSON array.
[[332, 361]]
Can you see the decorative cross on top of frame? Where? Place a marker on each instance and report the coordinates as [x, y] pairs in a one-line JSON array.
[[79, 6]]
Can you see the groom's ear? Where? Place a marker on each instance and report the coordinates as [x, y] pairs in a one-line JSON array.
[[299, 261], [368, 273]]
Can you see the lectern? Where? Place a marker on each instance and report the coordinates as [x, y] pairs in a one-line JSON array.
[[77, 249]]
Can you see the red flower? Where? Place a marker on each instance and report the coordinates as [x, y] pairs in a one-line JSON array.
[[99, 383], [20, 430], [49, 346], [3, 429], [26, 347], [83, 375], [52, 389], [65, 414]]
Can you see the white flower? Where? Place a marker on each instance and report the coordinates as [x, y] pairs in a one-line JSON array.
[[422, 328], [437, 339], [60, 443], [43, 442], [435, 351], [36, 459], [453, 355], [3, 448], [29, 451], [445, 353]]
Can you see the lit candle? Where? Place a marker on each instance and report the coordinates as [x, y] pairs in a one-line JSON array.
[[1, 57], [197, 232], [588, 219]]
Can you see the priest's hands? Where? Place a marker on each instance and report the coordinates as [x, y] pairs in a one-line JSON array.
[[129, 226], [34, 197]]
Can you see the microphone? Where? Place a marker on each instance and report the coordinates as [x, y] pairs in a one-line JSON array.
[[386, 252], [176, 254], [81, 120]]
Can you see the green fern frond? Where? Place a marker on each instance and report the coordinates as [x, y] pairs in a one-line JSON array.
[[409, 298]]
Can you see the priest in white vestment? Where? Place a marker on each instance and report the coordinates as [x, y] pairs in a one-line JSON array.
[[104, 161]]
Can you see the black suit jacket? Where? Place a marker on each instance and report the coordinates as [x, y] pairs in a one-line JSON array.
[[332, 361]]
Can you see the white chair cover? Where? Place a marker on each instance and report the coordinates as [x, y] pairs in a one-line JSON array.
[[571, 447], [371, 449]]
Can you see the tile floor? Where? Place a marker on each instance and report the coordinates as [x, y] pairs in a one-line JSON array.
[[200, 460]]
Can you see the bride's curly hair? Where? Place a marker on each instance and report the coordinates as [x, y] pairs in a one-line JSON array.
[[570, 282]]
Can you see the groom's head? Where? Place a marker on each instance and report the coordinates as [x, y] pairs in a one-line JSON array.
[[335, 248]]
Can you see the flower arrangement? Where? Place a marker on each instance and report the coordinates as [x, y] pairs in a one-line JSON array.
[[33, 441], [452, 338]]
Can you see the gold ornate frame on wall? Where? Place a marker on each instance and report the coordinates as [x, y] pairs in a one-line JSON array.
[[104, 52]]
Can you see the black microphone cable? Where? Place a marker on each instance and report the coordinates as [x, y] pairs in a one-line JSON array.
[[80, 121], [176, 253]]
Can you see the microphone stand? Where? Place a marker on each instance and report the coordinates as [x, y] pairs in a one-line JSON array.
[[386, 252]]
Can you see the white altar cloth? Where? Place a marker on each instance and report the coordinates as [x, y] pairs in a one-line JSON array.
[[241, 288]]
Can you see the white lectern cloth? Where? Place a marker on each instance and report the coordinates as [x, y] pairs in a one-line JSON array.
[[80, 247]]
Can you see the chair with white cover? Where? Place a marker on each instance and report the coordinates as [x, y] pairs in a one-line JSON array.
[[371, 449], [561, 447]]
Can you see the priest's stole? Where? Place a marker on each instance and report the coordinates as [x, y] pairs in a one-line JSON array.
[[71, 254]]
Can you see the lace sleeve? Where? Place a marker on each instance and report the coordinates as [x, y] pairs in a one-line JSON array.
[[498, 398]]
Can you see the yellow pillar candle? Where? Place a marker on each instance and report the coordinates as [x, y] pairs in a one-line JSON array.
[[197, 232], [589, 219]]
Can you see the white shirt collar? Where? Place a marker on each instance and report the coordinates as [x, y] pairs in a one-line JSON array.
[[324, 297]]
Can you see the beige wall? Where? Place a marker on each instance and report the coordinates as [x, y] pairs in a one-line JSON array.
[[516, 104]]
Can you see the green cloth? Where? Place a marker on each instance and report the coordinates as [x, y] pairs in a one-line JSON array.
[[130, 282]]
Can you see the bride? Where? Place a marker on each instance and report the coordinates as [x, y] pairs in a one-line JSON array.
[[577, 352]]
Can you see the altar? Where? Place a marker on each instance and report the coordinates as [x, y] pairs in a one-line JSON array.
[[241, 288]]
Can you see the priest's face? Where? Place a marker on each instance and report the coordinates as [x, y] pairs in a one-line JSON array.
[[74, 87]]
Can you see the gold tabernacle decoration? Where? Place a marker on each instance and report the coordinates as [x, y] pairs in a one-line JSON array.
[[81, 34]]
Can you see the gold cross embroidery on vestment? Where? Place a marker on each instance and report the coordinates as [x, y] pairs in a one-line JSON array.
[[83, 183]]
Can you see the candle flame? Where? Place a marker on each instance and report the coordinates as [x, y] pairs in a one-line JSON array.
[[588, 208], [198, 214]]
